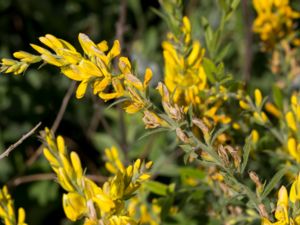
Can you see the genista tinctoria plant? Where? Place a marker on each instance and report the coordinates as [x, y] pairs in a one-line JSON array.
[[220, 127]]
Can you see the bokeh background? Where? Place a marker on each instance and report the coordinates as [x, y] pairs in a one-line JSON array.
[[87, 126]]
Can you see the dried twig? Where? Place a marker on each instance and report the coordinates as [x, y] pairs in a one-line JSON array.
[[56, 122], [247, 16], [13, 146], [63, 106], [120, 25], [120, 29]]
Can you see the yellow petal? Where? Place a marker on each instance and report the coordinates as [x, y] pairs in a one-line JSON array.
[[54, 60], [292, 148], [134, 81], [87, 44], [81, 89], [21, 216], [50, 157], [244, 105], [273, 109], [115, 50], [147, 77], [258, 97], [290, 119], [103, 46], [61, 145], [73, 73], [100, 85], [89, 68], [76, 164], [74, 206], [40, 49], [124, 65], [295, 190]]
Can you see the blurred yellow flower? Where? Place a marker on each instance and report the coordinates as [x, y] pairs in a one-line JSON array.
[[184, 74], [284, 203], [274, 21]]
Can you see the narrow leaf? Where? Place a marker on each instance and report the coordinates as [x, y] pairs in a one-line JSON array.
[[274, 181]]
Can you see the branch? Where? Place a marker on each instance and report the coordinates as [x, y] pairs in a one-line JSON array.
[[56, 122], [120, 29], [63, 106], [13, 146]]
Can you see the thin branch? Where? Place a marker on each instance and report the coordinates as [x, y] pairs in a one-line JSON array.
[[63, 106], [120, 29], [31, 178], [56, 122], [98, 117], [120, 25], [20, 141], [247, 16]]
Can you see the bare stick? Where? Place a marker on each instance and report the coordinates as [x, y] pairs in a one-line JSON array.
[[120, 29], [247, 16], [120, 25], [63, 107], [13, 146], [56, 122]]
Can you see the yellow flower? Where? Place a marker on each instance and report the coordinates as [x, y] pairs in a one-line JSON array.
[[113, 162], [272, 109], [291, 122], [257, 97], [7, 212], [274, 21], [285, 201], [254, 136], [184, 74], [85, 199], [74, 206]]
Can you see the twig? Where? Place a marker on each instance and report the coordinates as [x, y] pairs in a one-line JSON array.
[[63, 106], [120, 25], [56, 122], [31, 178], [248, 41], [120, 29], [48, 176], [13, 146], [96, 118]]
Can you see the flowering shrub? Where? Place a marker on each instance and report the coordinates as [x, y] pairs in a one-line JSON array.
[[235, 150]]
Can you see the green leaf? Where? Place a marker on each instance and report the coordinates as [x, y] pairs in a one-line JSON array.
[[274, 181], [246, 152], [192, 172], [235, 4], [157, 188], [223, 53], [277, 96], [162, 129], [116, 102], [210, 69], [218, 132]]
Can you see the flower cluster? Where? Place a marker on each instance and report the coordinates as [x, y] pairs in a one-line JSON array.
[[292, 118], [275, 21], [256, 107], [138, 207], [84, 198], [287, 210], [7, 212], [184, 73], [95, 67]]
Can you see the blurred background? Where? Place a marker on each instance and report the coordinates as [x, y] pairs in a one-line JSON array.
[[87, 126]]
